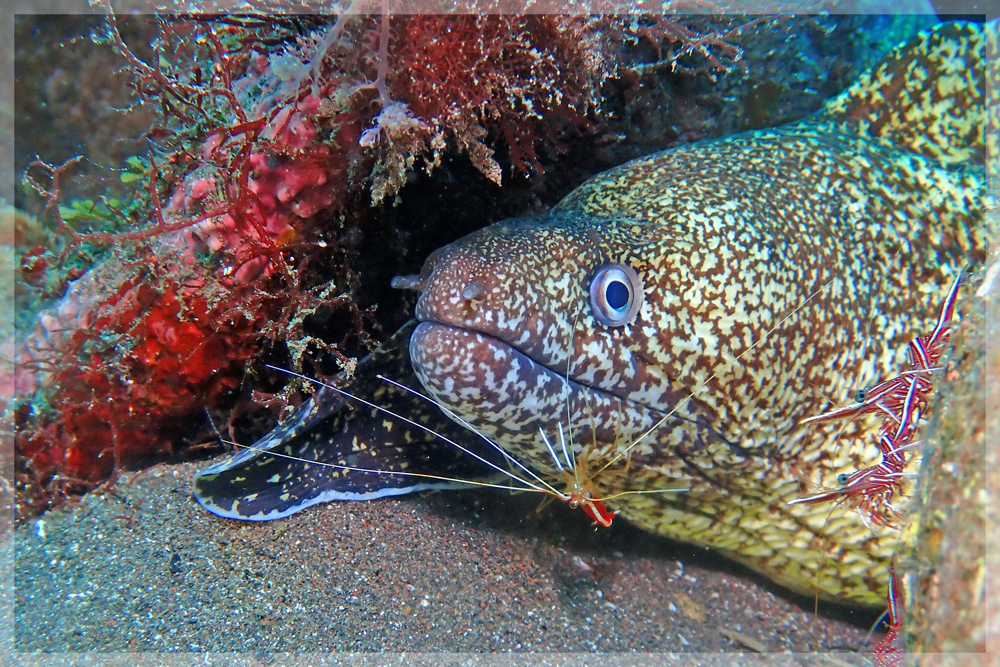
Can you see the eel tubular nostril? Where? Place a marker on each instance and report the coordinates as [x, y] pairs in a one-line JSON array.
[[413, 282], [473, 290]]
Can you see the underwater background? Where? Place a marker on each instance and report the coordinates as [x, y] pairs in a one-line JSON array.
[[184, 321]]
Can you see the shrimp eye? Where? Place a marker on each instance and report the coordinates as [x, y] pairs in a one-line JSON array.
[[843, 478], [616, 294], [573, 504], [860, 394]]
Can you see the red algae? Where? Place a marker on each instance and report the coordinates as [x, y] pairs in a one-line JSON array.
[[524, 77], [163, 326]]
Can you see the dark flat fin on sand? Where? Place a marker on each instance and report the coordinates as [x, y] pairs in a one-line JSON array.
[[326, 449]]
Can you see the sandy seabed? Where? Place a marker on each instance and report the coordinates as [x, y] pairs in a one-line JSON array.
[[141, 567]]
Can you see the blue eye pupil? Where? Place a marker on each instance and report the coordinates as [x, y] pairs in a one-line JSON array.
[[843, 478], [617, 295]]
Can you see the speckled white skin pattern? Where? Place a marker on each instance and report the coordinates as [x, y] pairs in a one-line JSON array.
[[782, 269]]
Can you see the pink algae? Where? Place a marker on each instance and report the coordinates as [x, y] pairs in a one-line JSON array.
[[151, 334]]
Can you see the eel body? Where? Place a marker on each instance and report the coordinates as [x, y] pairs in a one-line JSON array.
[[677, 318]]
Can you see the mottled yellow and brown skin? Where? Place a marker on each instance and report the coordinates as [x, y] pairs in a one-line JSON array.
[[782, 270]]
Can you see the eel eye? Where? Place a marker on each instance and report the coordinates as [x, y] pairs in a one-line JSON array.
[[616, 294]]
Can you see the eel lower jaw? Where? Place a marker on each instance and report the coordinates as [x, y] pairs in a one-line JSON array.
[[500, 390]]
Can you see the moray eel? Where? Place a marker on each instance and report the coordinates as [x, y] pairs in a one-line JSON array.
[[678, 317]]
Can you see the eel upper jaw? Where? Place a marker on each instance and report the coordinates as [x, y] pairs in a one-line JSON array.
[[433, 339]]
